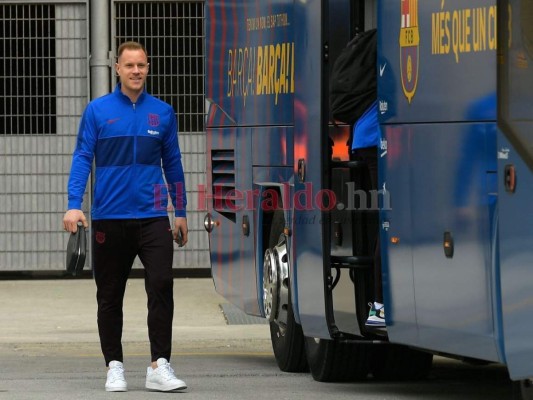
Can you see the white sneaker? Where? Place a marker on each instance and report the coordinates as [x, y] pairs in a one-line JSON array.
[[162, 378], [376, 316], [115, 378]]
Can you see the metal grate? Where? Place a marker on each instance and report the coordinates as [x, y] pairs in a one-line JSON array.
[[223, 178], [234, 316], [34, 167], [172, 33], [27, 69]]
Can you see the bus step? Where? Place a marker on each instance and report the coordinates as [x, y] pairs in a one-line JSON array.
[[347, 164], [352, 261]]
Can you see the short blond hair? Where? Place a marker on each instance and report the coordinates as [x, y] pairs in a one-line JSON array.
[[131, 45]]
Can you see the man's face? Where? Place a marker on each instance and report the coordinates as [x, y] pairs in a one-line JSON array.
[[132, 68]]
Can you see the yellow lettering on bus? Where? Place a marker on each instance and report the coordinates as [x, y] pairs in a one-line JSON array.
[[276, 73], [462, 31], [266, 61], [492, 25], [230, 73], [271, 68], [283, 70], [292, 68], [440, 28], [479, 36], [259, 70]]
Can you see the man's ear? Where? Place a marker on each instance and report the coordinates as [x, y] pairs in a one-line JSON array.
[[117, 67]]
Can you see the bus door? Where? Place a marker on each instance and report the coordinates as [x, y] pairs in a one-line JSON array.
[[515, 183], [309, 142]]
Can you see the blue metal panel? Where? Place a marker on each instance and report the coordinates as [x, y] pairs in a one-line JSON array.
[[441, 174], [445, 56], [397, 261], [232, 252], [250, 76], [451, 195], [273, 146]]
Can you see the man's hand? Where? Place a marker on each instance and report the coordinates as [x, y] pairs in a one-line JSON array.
[[71, 219], [180, 229]]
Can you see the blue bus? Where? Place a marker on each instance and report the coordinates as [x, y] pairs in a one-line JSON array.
[[453, 213]]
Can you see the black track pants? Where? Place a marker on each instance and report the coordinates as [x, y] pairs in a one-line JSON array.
[[116, 243]]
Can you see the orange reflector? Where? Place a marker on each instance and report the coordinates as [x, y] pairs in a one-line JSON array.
[[395, 240]]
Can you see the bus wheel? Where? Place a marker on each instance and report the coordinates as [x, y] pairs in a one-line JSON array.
[[286, 335], [396, 362], [336, 361]]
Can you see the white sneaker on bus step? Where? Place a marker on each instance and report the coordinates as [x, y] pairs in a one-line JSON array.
[[376, 316], [115, 378], [162, 378]]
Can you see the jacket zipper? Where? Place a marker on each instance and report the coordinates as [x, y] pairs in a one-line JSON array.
[[134, 172]]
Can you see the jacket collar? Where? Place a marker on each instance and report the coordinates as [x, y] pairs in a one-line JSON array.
[[126, 99]]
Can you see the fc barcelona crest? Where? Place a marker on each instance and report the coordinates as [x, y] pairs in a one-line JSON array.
[[153, 120], [409, 47], [100, 237]]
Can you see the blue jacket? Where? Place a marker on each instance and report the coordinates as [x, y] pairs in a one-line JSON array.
[[131, 144], [366, 129]]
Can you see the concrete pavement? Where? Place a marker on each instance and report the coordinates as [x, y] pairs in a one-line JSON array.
[[49, 350], [40, 317]]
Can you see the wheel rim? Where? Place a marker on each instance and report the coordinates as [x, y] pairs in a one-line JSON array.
[[276, 283], [270, 285]]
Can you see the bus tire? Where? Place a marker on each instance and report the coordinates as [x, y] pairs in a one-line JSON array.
[[523, 389], [287, 341], [336, 361], [396, 362], [288, 346]]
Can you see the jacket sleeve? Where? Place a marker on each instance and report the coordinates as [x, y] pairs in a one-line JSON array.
[[82, 159], [173, 168]]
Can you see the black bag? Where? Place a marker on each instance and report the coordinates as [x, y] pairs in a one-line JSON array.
[[76, 251], [353, 83]]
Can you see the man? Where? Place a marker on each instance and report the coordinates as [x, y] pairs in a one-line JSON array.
[[132, 137]]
